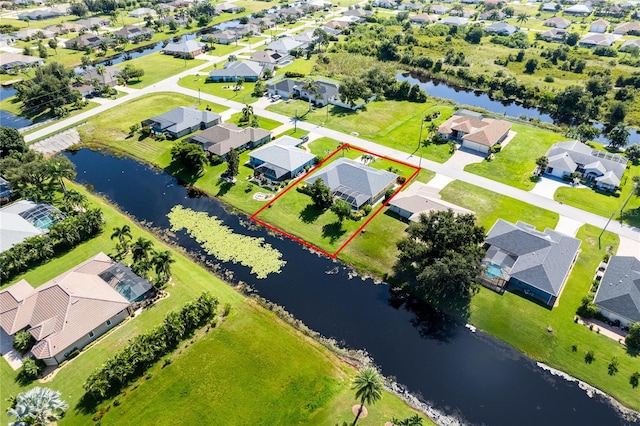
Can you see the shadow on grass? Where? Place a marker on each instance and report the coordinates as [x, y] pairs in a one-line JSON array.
[[333, 231], [224, 187], [337, 111], [310, 213], [631, 217]]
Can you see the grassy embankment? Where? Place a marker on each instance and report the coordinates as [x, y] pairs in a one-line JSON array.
[[292, 379]]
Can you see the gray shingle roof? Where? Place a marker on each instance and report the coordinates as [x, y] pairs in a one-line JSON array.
[[282, 156], [224, 137], [181, 118], [619, 290], [543, 258], [582, 154], [239, 68], [345, 175]]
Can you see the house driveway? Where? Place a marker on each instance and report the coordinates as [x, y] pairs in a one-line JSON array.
[[439, 181], [568, 226], [546, 187], [463, 157], [8, 353], [628, 247]]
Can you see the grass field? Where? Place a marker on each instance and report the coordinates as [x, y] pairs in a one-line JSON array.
[[294, 379], [514, 165], [157, 67], [14, 106], [490, 206], [223, 90], [395, 124]]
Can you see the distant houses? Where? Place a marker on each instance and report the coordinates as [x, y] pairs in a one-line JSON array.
[[604, 169], [131, 32], [537, 264], [579, 10], [632, 28], [355, 183], [594, 40], [12, 60], [141, 12], [475, 132], [85, 40], [281, 159], [618, 295], [557, 22], [599, 26], [247, 70], [501, 28], [181, 121], [268, 57], [223, 137], [185, 49]]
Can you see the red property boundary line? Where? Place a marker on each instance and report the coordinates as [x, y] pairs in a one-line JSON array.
[[345, 146]]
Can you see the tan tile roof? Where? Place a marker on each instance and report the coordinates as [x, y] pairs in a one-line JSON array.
[[68, 307], [487, 131], [16, 306]]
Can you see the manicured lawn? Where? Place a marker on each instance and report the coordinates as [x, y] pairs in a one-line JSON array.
[[265, 123], [297, 133], [14, 106], [490, 206], [221, 50], [157, 67], [515, 163], [223, 90], [523, 324], [300, 65], [298, 378], [390, 123], [604, 204]]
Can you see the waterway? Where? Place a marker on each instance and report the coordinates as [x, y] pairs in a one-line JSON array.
[[508, 108], [469, 376]]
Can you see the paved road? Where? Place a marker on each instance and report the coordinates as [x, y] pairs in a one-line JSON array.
[[171, 85]]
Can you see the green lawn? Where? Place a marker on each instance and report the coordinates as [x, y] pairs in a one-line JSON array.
[[223, 90], [299, 380], [265, 123], [300, 65], [222, 50], [490, 206], [14, 106], [605, 204], [157, 67], [523, 324], [395, 124], [294, 133], [515, 163]]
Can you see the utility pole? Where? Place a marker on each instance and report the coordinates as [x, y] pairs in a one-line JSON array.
[[633, 190], [603, 229], [295, 122], [198, 96]]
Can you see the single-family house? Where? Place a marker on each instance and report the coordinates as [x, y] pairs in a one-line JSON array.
[[133, 31], [7, 40], [305, 37], [593, 40], [358, 12], [222, 37], [223, 137], [579, 10], [85, 40], [12, 60], [501, 28], [181, 121], [627, 28], [629, 45], [188, 49], [269, 57], [604, 169], [470, 1], [618, 295], [385, 4], [31, 33], [599, 26], [141, 12], [91, 78], [422, 18], [419, 199], [73, 309], [491, 15], [439, 9], [327, 92], [354, 182], [551, 7], [286, 45], [46, 13], [529, 261], [65, 28], [248, 70], [557, 22], [281, 159], [410, 6], [454, 20], [473, 133], [24, 219], [88, 23], [554, 34], [227, 8]]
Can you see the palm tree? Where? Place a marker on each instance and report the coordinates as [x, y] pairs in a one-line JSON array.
[[247, 112], [343, 146], [140, 249], [522, 18], [37, 406], [368, 387], [101, 69], [74, 200], [311, 87], [60, 167], [122, 234], [162, 265]]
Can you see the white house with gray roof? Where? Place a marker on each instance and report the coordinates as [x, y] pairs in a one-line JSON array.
[[355, 183], [603, 168], [24, 219], [532, 262], [419, 199], [286, 45], [222, 138], [618, 295], [73, 309], [248, 70], [281, 159], [181, 121]]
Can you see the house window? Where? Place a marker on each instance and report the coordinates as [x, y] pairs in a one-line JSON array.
[[91, 334], [108, 322]]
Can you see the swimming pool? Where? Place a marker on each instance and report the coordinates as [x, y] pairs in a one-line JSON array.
[[493, 271]]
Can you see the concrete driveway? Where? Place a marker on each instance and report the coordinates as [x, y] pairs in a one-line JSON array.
[[568, 226], [628, 247], [8, 353], [546, 187], [463, 157]]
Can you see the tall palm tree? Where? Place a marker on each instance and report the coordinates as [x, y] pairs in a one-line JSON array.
[[73, 200], [368, 387], [123, 234], [101, 70], [343, 146], [247, 112], [37, 406], [60, 167], [522, 18], [162, 264], [312, 89], [141, 249]]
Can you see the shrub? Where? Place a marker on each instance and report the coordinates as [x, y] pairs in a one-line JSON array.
[[367, 209], [589, 357], [226, 310], [634, 380], [613, 366], [293, 74], [145, 131], [31, 368], [23, 341]]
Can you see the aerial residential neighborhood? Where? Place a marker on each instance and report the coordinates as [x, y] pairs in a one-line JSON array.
[[320, 212]]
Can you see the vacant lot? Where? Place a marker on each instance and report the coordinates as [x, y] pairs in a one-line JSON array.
[[157, 67]]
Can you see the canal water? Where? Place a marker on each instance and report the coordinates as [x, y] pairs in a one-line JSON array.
[[470, 376], [508, 108]]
